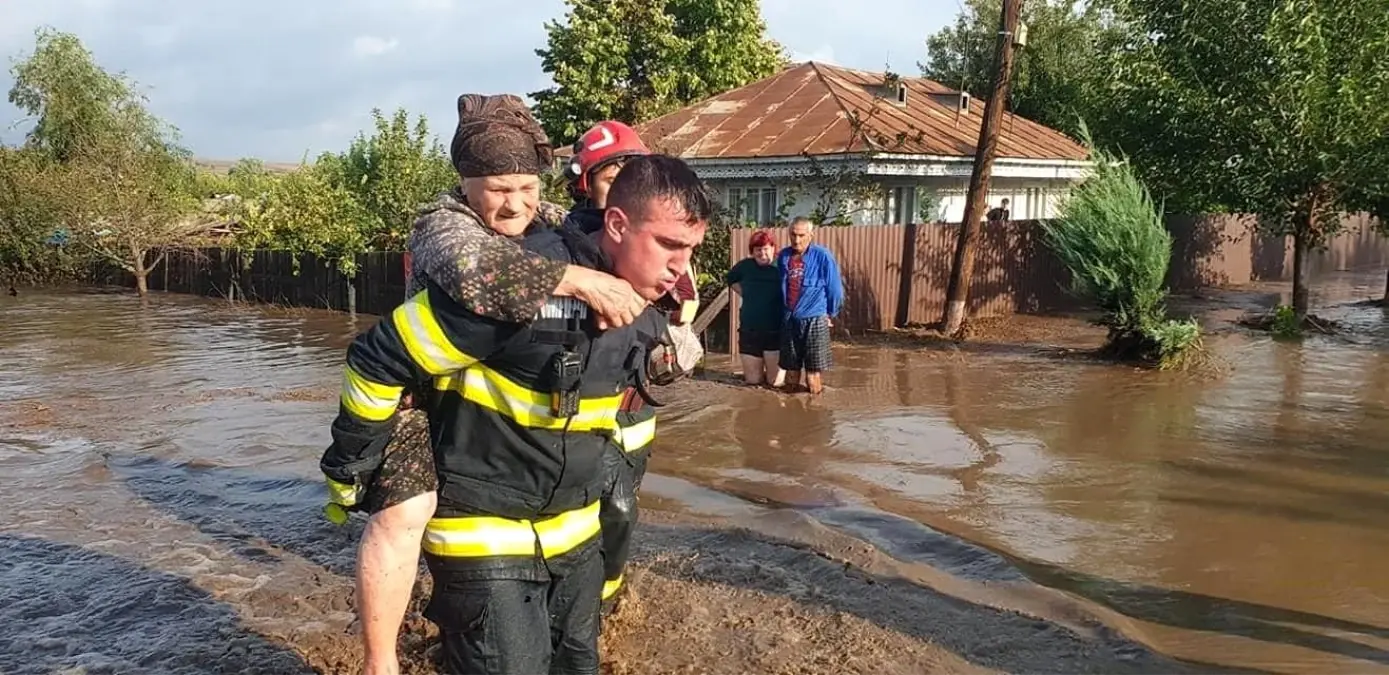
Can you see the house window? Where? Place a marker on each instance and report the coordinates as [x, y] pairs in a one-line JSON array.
[[753, 204], [899, 204]]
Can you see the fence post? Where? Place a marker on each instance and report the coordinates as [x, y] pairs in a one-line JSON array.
[[907, 269]]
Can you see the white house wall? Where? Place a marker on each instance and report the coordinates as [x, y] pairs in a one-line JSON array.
[[1029, 198]]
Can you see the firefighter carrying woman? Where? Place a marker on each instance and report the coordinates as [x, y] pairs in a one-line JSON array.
[[489, 260]]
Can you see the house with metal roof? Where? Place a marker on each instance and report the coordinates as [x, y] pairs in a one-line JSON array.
[[853, 146]]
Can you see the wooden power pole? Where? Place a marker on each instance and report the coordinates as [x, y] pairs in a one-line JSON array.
[[962, 268]]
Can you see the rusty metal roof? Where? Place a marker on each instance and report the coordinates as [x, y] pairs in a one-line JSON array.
[[807, 109]]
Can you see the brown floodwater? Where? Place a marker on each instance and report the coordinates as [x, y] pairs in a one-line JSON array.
[[161, 486]]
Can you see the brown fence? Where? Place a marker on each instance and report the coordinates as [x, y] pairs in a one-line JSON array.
[[1014, 271], [273, 277], [896, 275]]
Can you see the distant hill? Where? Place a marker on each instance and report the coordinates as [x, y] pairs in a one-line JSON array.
[[225, 165]]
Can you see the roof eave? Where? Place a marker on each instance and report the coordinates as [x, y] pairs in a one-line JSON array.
[[893, 164]]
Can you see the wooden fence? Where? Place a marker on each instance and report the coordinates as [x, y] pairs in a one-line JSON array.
[[275, 277], [896, 275]]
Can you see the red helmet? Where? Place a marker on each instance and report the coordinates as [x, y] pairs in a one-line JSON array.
[[606, 142]]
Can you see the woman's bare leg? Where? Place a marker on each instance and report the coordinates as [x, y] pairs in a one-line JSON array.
[[752, 369], [776, 377], [387, 562]]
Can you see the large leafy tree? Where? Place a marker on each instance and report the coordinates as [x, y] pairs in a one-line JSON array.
[[392, 173], [632, 60], [113, 174], [1274, 107], [1058, 75]]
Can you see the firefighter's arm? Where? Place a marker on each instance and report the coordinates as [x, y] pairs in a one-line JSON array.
[[428, 336]]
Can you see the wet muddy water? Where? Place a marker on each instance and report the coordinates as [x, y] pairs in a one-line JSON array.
[[161, 486]]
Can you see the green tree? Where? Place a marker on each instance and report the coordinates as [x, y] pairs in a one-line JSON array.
[[1111, 237], [30, 230], [116, 176], [1057, 76], [392, 173], [1283, 116], [69, 96], [632, 61], [305, 211], [128, 201]]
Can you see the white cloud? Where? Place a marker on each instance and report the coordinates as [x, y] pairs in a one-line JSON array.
[[370, 45]]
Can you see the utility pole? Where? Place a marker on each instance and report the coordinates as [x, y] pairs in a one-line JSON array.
[[962, 268]]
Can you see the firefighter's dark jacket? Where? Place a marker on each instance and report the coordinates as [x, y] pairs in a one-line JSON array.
[[500, 448]]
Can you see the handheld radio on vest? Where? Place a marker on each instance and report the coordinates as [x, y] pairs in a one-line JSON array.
[[566, 367]]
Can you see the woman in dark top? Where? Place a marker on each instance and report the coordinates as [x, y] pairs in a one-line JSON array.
[[758, 280]]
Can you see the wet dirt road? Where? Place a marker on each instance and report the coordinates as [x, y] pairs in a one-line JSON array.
[[1004, 511]]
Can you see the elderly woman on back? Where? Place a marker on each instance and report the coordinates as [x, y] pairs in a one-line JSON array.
[[464, 243], [758, 280]]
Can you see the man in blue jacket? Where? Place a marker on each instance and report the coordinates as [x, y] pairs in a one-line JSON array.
[[814, 292]]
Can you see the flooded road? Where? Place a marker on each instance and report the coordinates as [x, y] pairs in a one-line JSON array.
[[161, 461]]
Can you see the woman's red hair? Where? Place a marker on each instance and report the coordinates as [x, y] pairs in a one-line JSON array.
[[759, 239]]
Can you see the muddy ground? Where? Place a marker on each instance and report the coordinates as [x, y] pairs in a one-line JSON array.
[[782, 594]]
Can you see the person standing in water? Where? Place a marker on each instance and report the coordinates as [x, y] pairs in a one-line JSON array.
[[758, 280], [814, 294]]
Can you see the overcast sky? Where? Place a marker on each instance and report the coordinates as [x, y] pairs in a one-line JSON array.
[[276, 79]]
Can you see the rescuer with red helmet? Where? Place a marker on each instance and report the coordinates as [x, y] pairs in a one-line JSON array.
[[599, 155]]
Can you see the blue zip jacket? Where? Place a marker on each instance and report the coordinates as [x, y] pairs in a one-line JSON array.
[[822, 289]]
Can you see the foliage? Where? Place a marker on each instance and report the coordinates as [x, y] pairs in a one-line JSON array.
[[634, 60], [112, 173], [305, 212], [1283, 117], [1284, 323], [1111, 237], [391, 173], [30, 231], [345, 203], [555, 189], [711, 259], [1058, 75], [71, 99]]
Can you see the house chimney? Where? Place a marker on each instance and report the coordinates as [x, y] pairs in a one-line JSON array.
[[901, 94], [964, 103]]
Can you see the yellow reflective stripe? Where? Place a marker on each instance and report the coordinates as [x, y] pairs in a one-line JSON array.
[[494, 391], [342, 493], [636, 436], [610, 587], [425, 340], [484, 536], [368, 400]]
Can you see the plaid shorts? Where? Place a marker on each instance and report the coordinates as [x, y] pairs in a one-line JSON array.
[[805, 345]]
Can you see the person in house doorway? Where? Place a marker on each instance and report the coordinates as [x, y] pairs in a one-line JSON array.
[[757, 279], [1000, 213], [814, 293]]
